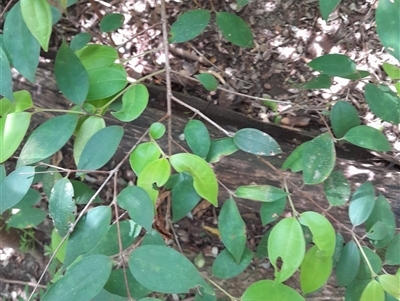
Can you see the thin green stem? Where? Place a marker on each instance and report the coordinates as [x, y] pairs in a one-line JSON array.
[[373, 274], [295, 213], [41, 110]]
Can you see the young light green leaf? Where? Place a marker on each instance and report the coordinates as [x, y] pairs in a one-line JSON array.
[[80, 282], [391, 284], [189, 25], [164, 270], [255, 142], [326, 7], [286, 242], [319, 158], [368, 137], [373, 291], [343, 117], [27, 217], [142, 155], [337, 188], [23, 49], [392, 255], [55, 241], [235, 29], [6, 78], [62, 206], [387, 26], [38, 18], [134, 101], [269, 290], [355, 289], [71, 77], [94, 154], [79, 41], [208, 81], [23, 101], [270, 211], [383, 102], [392, 71], [137, 202], [221, 147], [333, 65], [111, 22], [362, 203], [204, 179], [97, 56], [197, 137], [322, 81], [156, 130], [225, 265], [349, 262], [262, 193], [232, 229]]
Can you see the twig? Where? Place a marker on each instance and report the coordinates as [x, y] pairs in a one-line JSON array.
[[5, 8], [21, 282]]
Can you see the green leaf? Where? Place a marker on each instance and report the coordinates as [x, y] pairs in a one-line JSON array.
[[355, 289], [270, 211], [286, 242], [55, 241], [208, 81], [143, 155], [262, 193], [27, 218], [189, 25], [94, 154], [256, 142], [333, 65], [156, 130], [262, 248], [21, 46], [111, 22], [5, 76], [322, 230], [359, 74], [225, 265], [362, 203], [62, 206], [368, 137], [134, 101], [15, 186], [197, 137], [294, 161], [153, 238], [97, 56], [241, 4], [383, 102], [220, 148], [80, 40], [47, 139], [116, 285], [326, 7], [319, 158], [204, 179], [373, 291], [83, 193], [392, 71], [337, 188], [106, 81], [232, 229], [82, 281], [164, 270], [374, 261], [235, 29], [269, 290], [13, 128], [343, 118], [392, 255], [387, 26], [88, 232], [349, 262], [338, 249], [377, 231], [322, 81], [22, 101], [38, 18], [71, 76], [391, 285], [137, 202], [31, 198]]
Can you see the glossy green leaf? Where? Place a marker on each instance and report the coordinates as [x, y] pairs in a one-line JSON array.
[[261, 193], [21, 46], [38, 18], [106, 81], [286, 242], [47, 139], [256, 142], [116, 285], [220, 148], [134, 101], [295, 161], [88, 232], [71, 76], [319, 158], [189, 25], [362, 203], [208, 81], [164, 270], [27, 218], [137, 202], [322, 231], [55, 241], [87, 129], [80, 40], [378, 231], [359, 74], [349, 262], [374, 261], [62, 206], [343, 117], [270, 211], [225, 265], [111, 22], [157, 130], [13, 128], [337, 188], [322, 81], [142, 155], [368, 137], [269, 290], [232, 229], [197, 137], [15, 186], [333, 65], [97, 56], [204, 179], [392, 255], [94, 154], [235, 29], [373, 291], [327, 7], [82, 281], [387, 26], [392, 71], [5, 76], [83, 193], [383, 102], [391, 285]]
